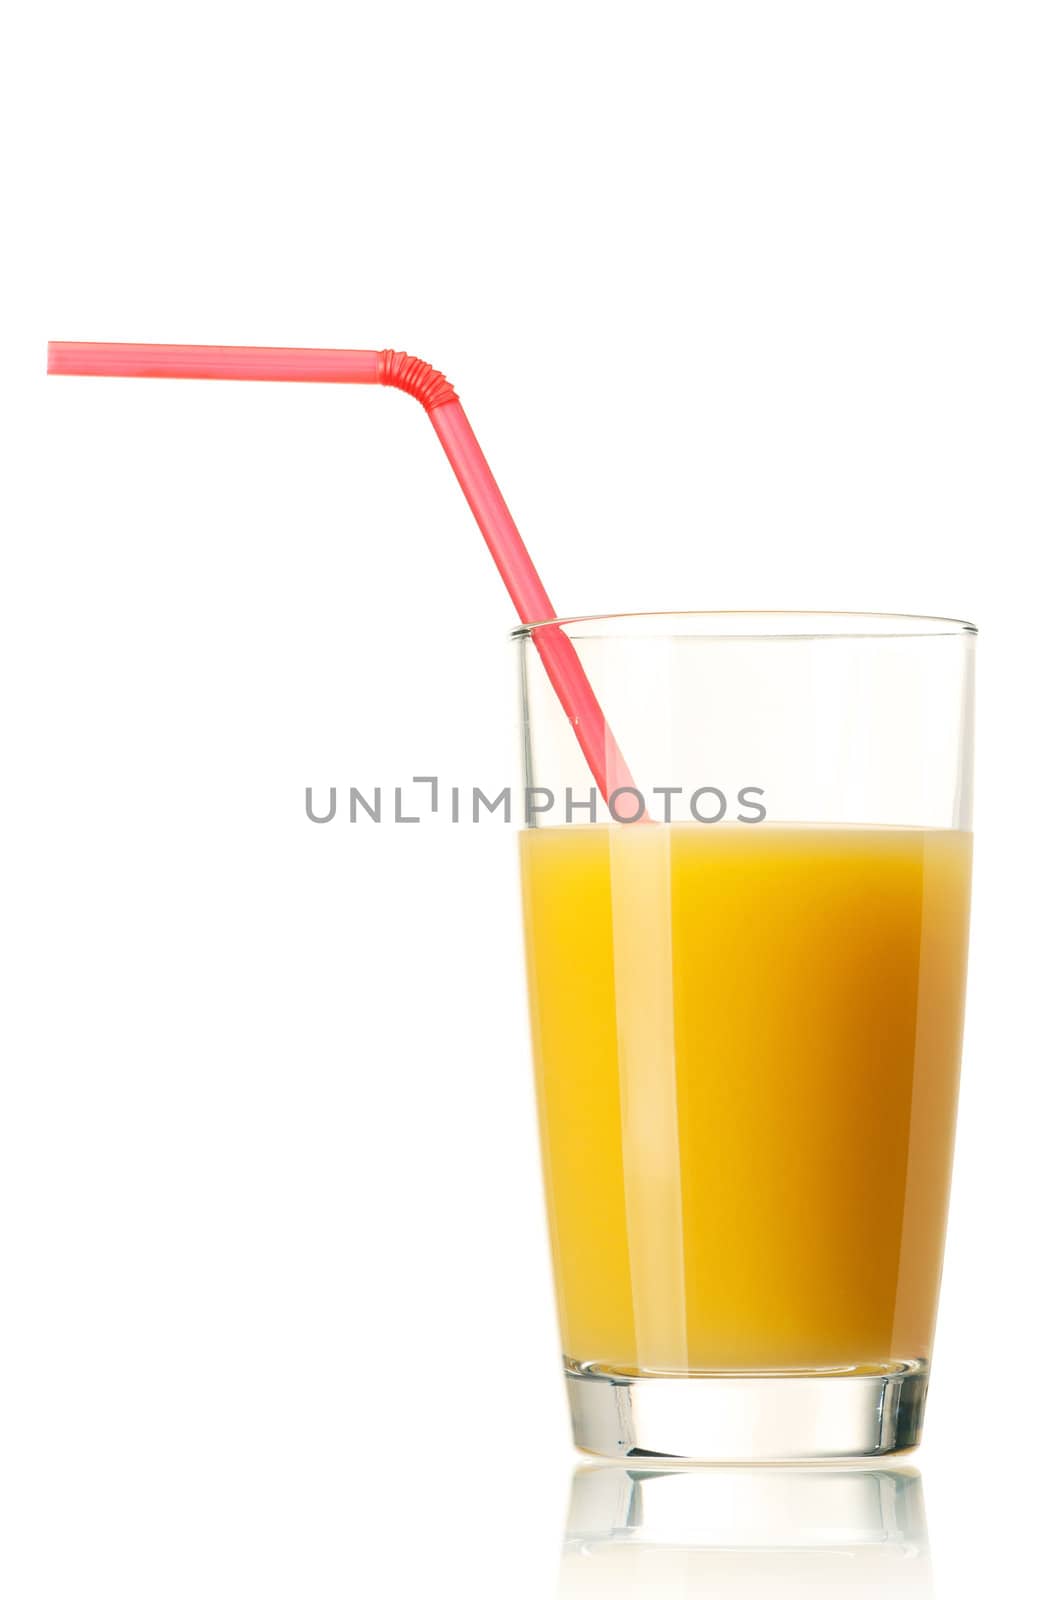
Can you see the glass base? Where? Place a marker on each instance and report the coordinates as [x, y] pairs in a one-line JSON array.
[[751, 1416]]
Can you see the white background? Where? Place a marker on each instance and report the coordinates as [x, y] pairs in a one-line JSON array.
[[752, 305]]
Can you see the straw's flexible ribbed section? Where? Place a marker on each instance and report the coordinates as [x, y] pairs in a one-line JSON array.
[[416, 377]]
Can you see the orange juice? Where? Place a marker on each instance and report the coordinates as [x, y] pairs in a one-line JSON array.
[[746, 1044]]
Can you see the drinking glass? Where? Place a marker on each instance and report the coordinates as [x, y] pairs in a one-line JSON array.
[[746, 972]]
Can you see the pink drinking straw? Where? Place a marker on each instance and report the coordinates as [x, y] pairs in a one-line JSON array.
[[397, 370]]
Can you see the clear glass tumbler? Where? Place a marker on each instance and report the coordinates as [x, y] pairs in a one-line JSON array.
[[746, 977]]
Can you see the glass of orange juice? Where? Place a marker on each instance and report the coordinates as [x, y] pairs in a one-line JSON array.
[[746, 974]]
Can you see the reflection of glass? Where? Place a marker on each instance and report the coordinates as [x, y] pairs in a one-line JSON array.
[[746, 1531], [746, 1017]]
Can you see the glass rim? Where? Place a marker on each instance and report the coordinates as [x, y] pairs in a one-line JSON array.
[[766, 625]]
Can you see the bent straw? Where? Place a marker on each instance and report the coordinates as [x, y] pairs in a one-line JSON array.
[[396, 370]]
